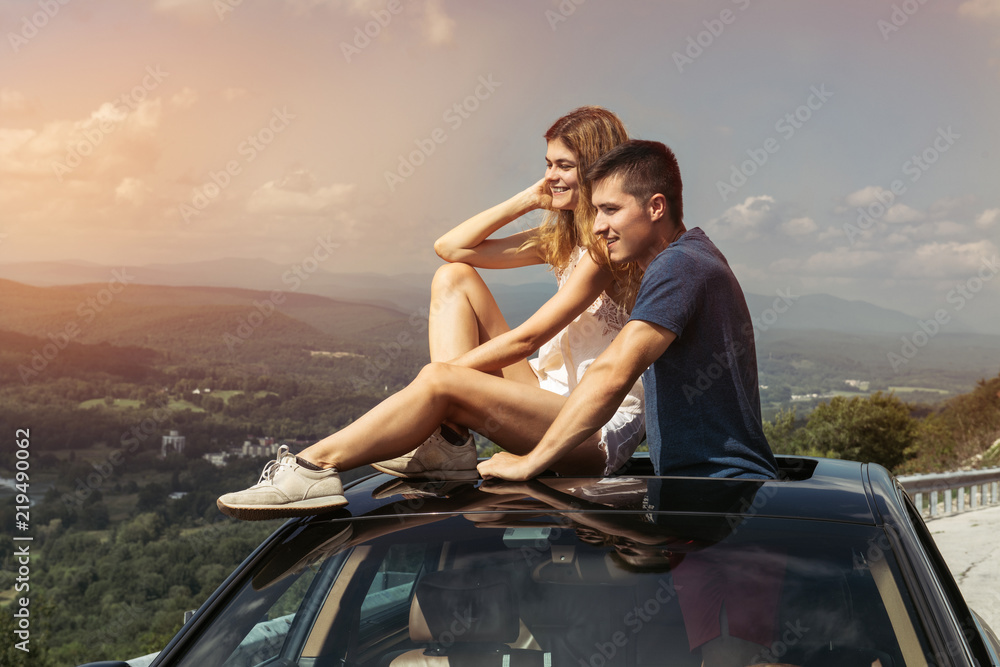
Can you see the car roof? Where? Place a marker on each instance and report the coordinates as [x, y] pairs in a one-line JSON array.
[[807, 488]]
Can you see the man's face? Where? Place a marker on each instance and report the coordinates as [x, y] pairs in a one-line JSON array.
[[624, 224]]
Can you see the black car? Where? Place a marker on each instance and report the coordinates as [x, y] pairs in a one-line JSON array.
[[829, 565]]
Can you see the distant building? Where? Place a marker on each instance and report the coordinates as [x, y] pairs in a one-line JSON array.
[[173, 443], [218, 459], [262, 447]]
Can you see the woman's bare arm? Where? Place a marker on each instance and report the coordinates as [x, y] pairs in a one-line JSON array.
[[582, 288], [469, 242]]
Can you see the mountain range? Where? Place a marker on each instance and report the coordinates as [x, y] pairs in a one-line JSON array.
[[252, 314], [411, 292]]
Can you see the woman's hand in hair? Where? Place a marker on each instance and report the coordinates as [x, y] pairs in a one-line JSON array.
[[540, 195]]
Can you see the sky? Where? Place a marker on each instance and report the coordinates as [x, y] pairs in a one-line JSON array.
[[850, 148]]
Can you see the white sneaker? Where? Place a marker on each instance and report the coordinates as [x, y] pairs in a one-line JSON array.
[[435, 459], [285, 489]]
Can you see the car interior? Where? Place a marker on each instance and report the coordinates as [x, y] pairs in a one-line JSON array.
[[563, 590]]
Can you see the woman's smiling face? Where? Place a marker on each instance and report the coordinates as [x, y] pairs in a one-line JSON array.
[[561, 175]]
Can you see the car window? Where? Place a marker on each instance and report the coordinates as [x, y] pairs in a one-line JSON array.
[[393, 582], [263, 643], [614, 590]]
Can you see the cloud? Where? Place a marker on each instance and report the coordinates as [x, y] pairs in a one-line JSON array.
[[11, 144], [980, 9], [867, 196], [66, 173], [111, 137], [842, 261], [439, 28], [832, 232], [988, 218], [744, 222], [436, 26], [945, 260], [304, 7], [296, 194], [13, 102], [901, 214], [132, 191], [799, 226], [185, 99], [194, 11], [948, 228], [950, 207], [232, 93]]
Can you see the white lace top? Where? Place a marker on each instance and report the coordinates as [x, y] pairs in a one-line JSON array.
[[563, 360]]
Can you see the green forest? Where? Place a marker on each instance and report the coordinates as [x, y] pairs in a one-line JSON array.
[[126, 540]]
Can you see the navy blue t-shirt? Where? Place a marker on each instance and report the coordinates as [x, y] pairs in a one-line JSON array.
[[702, 394]]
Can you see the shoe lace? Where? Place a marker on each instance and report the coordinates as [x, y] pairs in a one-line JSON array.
[[273, 467]]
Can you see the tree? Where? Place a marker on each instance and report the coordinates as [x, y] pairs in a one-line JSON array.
[[779, 432], [877, 429]]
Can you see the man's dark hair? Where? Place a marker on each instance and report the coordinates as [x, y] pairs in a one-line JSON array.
[[645, 168]]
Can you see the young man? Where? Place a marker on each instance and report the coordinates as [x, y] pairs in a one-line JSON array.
[[690, 332]]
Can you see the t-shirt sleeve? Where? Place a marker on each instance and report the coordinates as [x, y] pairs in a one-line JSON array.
[[668, 293]]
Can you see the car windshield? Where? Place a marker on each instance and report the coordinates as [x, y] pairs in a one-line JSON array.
[[546, 584]]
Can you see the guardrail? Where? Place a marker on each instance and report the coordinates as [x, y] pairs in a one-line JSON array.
[[947, 490]]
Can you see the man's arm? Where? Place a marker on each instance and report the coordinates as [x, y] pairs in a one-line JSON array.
[[592, 404]]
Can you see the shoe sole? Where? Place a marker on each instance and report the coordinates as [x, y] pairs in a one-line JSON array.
[[433, 476], [264, 512]]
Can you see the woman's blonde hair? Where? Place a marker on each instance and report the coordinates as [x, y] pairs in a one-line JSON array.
[[589, 132]]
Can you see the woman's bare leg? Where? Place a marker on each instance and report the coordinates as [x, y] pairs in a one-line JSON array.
[[463, 315], [511, 414]]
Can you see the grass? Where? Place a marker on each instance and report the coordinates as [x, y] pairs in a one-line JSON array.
[[226, 394], [903, 390], [120, 403], [125, 403]]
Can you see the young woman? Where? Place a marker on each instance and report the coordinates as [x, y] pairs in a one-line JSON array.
[[479, 377]]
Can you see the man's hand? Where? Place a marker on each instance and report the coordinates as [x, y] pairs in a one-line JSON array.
[[504, 465]]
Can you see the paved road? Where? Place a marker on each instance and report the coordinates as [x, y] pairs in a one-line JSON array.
[[970, 543]]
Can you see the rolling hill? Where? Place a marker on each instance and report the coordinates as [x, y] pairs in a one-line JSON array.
[[816, 344], [188, 323]]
